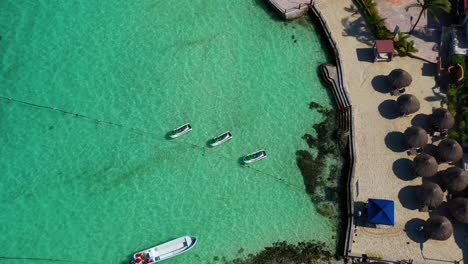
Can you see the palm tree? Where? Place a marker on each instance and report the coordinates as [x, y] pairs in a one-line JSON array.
[[404, 46], [369, 5], [431, 6]]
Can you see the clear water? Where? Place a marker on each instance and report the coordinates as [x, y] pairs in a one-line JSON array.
[[76, 189]]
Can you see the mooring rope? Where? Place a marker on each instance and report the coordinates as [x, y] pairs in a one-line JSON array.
[[46, 259], [144, 132], [97, 120]]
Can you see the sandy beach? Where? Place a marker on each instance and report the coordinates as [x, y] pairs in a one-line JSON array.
[[383, 168]]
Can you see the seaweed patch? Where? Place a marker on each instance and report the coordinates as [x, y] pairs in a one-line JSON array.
[[309, 252], [325, 142]]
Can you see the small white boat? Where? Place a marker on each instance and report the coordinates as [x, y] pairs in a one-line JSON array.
[[220, 139], [164, 251], [184, 129], [253, 157]]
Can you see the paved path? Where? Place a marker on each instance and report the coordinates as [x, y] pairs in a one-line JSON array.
[[291, 9], [383, 168], [426, 36]]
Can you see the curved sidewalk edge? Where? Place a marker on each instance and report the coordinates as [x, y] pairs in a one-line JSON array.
[[345, 114]]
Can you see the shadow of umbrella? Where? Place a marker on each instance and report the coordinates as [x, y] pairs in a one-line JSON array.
[[408, 198], [422, 121], [396, 141], [432, 150], [460, 233], [414, 232], [389, 109], [403, 169], [380, 84]]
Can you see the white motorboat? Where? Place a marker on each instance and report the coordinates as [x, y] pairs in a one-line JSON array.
[[184, 129], [220, 139], [164, 251], [253, 157]]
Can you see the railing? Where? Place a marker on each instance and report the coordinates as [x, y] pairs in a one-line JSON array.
[[346, 113]]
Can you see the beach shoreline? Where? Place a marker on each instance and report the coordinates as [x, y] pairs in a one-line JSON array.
[[376, 161]]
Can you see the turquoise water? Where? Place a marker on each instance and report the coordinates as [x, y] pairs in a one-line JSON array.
[[81, 190]]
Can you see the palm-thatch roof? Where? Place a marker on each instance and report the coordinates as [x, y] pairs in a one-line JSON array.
[[425, 165], [459, 209], [399, 78], [442, 119], [438, 227], [416, 137], [408, 104], [449, 150], [455, 179], [430, 195]]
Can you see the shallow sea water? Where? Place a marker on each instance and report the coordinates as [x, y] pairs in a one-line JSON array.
[[77, 189]]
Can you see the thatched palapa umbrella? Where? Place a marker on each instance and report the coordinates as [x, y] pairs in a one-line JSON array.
[[399, 78], [455, 179], [416, 137], [425, 165], [430, 195], [438, 227], [449, 150], [408, 104], [459, 209], [442, 119]]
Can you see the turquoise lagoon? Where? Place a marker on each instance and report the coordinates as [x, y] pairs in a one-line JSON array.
[[77, 189]]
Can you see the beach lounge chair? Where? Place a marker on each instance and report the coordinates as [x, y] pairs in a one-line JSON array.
[[465, 162]]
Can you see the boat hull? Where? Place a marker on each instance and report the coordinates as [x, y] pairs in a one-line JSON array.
[[214, 143], [165, 251], [184, 129], [262, 155]]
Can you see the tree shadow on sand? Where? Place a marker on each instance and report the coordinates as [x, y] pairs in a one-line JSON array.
[[403, 169], [395, 141], [408, 198], [380, 84], [413, 231], [389, 109], [358, 30]]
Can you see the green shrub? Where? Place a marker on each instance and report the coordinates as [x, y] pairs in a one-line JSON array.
[[457, 59], [457, 102], [377, 25]]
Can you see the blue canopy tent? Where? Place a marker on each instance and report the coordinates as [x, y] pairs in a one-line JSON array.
[[381, 211]]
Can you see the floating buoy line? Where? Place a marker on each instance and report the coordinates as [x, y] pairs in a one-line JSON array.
[[143, 132]]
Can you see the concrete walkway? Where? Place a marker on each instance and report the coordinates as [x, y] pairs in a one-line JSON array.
[[291, 9], [383, 169], [426, 35]]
